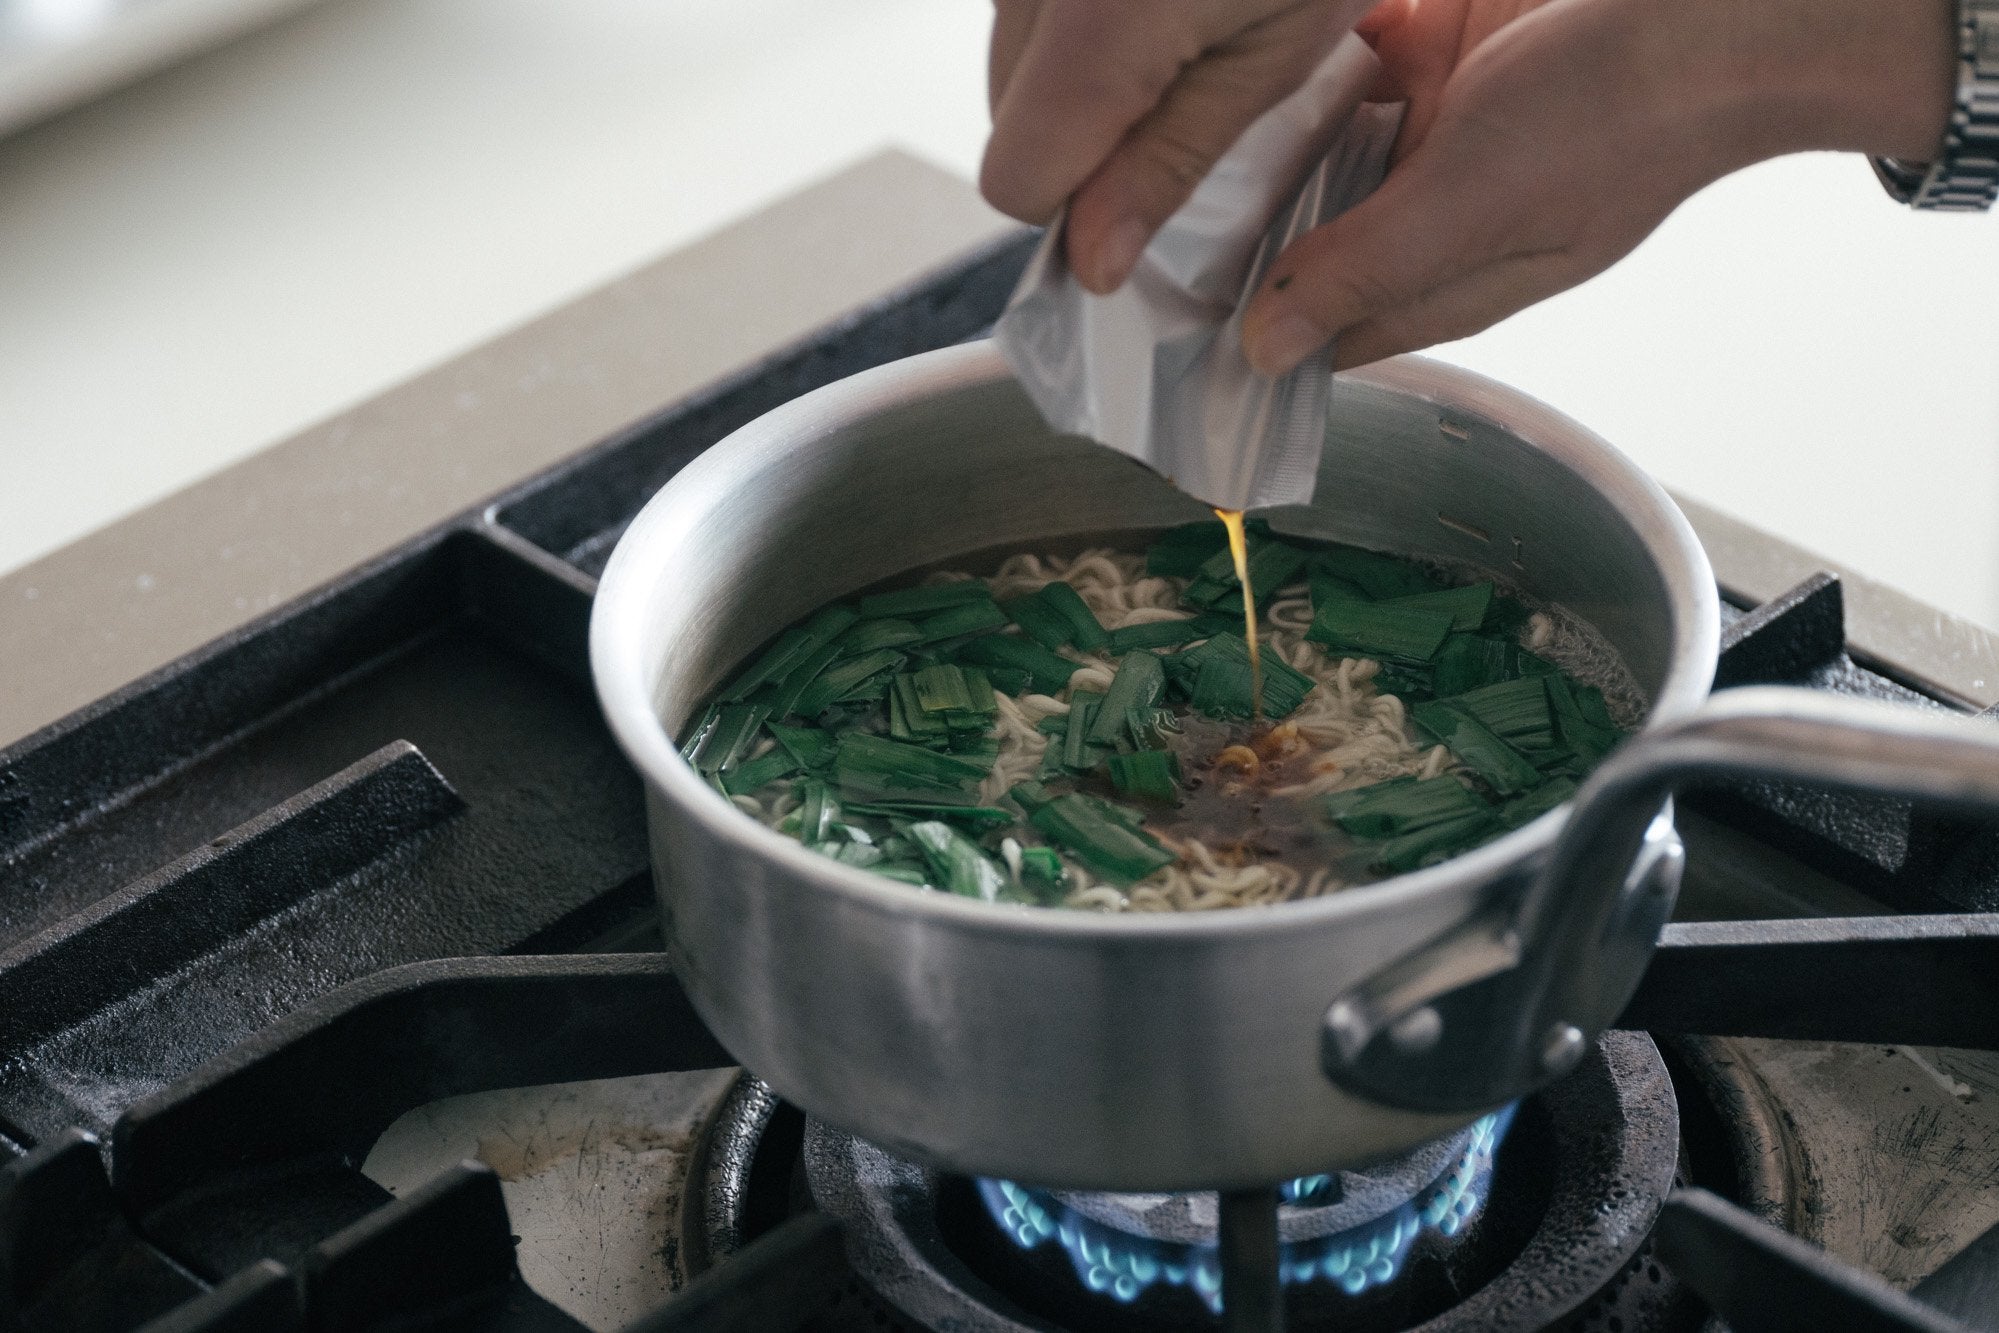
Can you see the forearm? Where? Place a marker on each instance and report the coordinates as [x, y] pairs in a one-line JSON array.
[[1784, 76]]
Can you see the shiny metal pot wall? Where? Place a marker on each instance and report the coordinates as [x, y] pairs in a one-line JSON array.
[[1073, 1049]]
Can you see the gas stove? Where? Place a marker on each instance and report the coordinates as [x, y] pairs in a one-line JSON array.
[[330, 998]]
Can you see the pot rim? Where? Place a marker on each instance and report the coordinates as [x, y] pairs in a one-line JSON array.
[[626, 692]]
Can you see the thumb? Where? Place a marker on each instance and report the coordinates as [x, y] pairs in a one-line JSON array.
[[1407, 238]]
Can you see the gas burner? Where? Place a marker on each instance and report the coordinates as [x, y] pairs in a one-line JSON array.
[[1356, 1229], [1562, 1234]]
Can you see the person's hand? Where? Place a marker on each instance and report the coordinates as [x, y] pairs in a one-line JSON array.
[[1544, 139], [1119, 107]]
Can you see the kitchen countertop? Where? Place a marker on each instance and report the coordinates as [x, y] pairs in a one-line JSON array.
[[132, 596]]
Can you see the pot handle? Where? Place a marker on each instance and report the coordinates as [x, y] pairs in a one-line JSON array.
[[1512, 1000]]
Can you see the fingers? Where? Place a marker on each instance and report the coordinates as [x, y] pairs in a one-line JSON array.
[[1459, 309], [1159, 162], [1013, 20], [1130, 102], [1404, 241], [1085, 74]]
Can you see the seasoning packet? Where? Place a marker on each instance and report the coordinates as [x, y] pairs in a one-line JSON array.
[[1156, 369]]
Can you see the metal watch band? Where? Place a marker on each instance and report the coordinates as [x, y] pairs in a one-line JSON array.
[[1964, 178]]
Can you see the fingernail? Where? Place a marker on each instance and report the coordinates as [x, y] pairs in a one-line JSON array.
[[1118, 255], [1284, 342]]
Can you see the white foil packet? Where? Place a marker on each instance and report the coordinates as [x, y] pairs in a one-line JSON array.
[[1156, 369]]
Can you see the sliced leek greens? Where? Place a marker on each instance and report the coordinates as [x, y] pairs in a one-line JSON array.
[[873, 728]]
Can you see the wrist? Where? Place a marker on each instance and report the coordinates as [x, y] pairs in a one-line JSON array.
[[1785, 76]]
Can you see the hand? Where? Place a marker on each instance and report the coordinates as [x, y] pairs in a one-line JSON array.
[[1120, 107], [1546, 138]]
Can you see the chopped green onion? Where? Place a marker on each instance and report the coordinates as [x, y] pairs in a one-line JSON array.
[[1502, 766], [792, 649], [1516, 711], [1389, 809], [697, 734], [1467, 661], [872, 635], [1156, 634], [1375, 574], [1222, 684], [877, 769], [1038, 620], [1272, 564], [1151, 774], [810, 746], [940, 689], [957, 863], [753, 774], [735, 730], [1085, 631], [838, 679], [1043, 866], [975, 747], [785, 702], [957, 621], [1048, 673], [1180, 552], [922, 600], [1106, 846], [1523, 809], [909, 872], [1136, 689], [1408, 683], [1467, 606], [978, 818], [1330, 587], [1589, 699], [818, 811], [1437, 842], [1117, 814], [1378, 629], [1011, 680], [873, 690], [1587, 740], [1030, 796], [1078, 754], [979, 689], [1509, 615], [1055, 616], [906, 713], [857, 854]]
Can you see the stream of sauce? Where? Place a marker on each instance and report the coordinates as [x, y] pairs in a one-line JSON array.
[[1239, 549]]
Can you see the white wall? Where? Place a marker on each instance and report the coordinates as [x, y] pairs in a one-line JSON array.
[[215, 258]]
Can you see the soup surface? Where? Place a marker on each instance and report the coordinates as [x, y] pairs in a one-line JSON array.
[[1086, 732]]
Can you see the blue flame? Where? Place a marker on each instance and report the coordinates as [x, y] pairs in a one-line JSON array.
[[1122, 1266]]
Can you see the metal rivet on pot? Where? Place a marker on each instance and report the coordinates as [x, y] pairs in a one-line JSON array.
[[1561, 1048], [1417, 1031], [1349, 1029]]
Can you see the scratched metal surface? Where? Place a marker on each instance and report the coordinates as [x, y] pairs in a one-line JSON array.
[[592, 1174], [1888, 1157]]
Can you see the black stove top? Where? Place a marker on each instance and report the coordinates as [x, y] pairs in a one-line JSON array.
[[377, 849]]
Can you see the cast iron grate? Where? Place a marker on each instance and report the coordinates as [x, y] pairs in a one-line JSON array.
[[331, 867]]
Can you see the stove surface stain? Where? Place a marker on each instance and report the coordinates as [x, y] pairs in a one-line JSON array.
[[592, 1174]]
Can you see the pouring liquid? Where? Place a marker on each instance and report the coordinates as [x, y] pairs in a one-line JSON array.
[[1239, 550]]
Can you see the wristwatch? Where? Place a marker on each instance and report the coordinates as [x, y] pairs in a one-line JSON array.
[[1964, 178]]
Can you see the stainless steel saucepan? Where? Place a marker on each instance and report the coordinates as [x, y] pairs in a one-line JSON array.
[[1223, 1049]]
